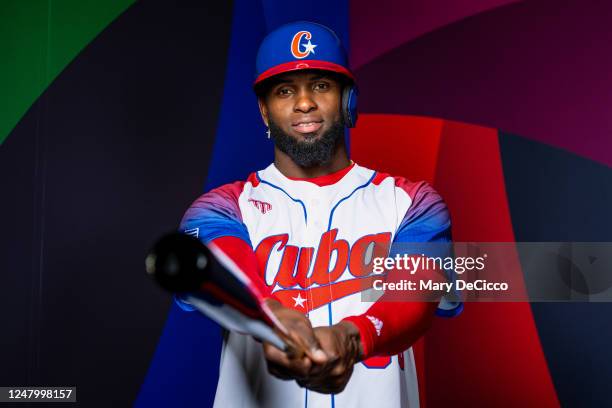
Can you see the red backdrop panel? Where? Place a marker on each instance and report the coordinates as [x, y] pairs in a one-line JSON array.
[[491, 354]]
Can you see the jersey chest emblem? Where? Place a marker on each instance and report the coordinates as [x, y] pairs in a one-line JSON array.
[[306, 273]]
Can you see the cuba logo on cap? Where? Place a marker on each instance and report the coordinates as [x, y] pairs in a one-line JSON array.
[[296, 45]]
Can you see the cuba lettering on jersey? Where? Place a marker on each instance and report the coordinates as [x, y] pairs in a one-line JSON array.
[[310, 238]]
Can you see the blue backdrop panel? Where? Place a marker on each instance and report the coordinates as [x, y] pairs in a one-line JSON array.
[[184, 370]]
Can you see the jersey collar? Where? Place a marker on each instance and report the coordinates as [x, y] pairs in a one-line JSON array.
[[327, 179], [337, 184]]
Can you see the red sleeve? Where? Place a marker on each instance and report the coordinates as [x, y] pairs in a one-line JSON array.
[[391, 325], [389, 328]]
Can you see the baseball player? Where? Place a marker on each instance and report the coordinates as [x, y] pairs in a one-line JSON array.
[[301, 227]]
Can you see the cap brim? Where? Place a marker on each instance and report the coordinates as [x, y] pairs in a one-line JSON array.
[[300, 65]]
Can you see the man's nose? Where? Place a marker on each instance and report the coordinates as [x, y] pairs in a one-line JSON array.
[[305, 102]]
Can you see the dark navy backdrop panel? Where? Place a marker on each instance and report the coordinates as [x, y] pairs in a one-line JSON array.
[[100, 166], [555, 195]]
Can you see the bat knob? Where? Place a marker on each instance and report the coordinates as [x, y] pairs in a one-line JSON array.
[[178, 262]]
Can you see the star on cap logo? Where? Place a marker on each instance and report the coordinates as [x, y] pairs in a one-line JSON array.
[[297, 45]]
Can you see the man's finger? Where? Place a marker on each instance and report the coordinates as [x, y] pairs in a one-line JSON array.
[[305, 337], [278, 373], [275, 355], [289, 367]]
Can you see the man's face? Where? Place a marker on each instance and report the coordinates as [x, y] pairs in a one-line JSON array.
[[302, 110]]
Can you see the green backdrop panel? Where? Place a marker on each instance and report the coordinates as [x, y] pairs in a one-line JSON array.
[[38, 39]]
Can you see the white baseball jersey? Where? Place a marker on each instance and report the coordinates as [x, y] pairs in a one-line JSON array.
[[310, 238]]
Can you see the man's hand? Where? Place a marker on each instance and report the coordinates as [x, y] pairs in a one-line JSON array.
[[342, 345], [333, 352], [291, 365]]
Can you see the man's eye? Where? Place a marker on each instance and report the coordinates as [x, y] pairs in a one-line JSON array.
[[284, 91], [322, 86]]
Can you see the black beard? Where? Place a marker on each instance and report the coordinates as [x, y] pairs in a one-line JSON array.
[[308, 153]]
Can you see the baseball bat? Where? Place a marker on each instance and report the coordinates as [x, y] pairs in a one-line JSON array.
[[210, 281]]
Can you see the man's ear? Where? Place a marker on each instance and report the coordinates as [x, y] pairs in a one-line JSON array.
[[263, 110]]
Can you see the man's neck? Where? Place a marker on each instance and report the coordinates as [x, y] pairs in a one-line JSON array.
[[291, 169]]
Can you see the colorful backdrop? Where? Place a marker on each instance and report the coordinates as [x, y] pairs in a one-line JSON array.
[[115, 115]]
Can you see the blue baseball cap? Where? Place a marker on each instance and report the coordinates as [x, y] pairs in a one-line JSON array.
[[300, 45]]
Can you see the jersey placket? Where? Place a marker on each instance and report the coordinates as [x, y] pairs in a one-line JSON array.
[[316, 202]]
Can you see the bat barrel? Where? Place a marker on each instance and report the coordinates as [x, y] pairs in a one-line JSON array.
[[216, 287], [179, 262]]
